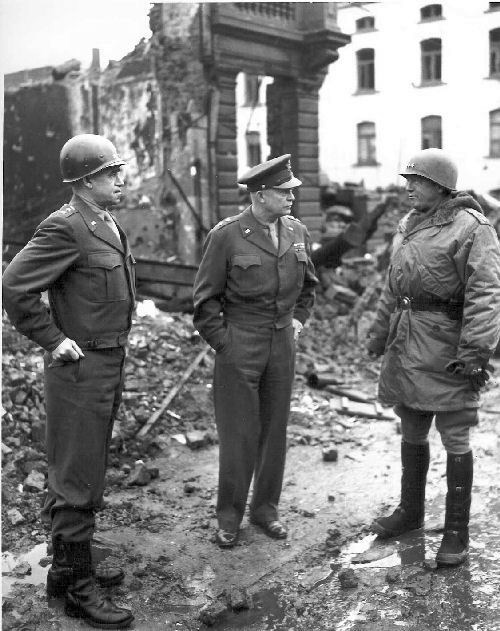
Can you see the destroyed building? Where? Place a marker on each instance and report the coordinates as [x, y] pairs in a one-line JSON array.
[[169, 106]]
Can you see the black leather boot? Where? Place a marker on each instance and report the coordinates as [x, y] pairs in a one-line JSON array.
[[60, 574], [409, 515], [454, 548], [82, 597]]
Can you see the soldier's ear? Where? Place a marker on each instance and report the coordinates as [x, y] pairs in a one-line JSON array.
[[87, 182]]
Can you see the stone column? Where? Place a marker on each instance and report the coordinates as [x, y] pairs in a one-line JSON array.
[[226, 156], [293, 124]]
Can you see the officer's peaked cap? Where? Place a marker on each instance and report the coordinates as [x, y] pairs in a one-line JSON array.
[[275, 173]]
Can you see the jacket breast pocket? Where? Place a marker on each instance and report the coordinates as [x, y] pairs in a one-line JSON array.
[[302, 262], [246, 271], [108, 280]]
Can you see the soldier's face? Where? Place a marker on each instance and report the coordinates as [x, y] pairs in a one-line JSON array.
[[422, 193], [278, 201], [106, 186]]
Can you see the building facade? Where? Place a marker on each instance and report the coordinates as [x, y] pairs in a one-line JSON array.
[[415, 75]]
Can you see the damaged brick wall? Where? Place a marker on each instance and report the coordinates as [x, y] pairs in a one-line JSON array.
[[38, 119], [180, 76]]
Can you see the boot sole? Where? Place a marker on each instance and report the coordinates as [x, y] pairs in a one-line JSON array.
[[382, 532], [76, 612], [449, 560]]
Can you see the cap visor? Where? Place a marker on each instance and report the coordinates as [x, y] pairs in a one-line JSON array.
[[293, 183]]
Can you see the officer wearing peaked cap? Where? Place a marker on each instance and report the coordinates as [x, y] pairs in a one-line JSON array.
[[253, 292], [82, 257]]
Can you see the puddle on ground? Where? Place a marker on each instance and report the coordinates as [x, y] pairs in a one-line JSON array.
[[266, 610], [38, 574]]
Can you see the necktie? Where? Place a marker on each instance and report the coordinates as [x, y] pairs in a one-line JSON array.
[[111, 224], [273, 233]]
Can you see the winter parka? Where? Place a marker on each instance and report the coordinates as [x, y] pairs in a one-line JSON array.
[[451, 255]]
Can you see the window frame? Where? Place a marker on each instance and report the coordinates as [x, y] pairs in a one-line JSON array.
[[365, 70], [434, 131], [366, 143], [494, 49], [431, 62], [494, 133], [432, 17], [251, 145]]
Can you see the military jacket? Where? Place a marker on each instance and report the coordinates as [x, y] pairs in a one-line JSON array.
[[244, 279], [453, 255], [88, 273]]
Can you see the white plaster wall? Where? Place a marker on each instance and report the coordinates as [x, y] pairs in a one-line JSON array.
[[250, 119], [463, 101]]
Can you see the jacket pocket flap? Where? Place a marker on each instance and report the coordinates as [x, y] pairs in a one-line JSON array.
[[301, 256], [108, 260], [246, 260]]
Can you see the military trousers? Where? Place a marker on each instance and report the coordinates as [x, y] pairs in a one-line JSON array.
[[253, 380], [453, 427], [81, 400]]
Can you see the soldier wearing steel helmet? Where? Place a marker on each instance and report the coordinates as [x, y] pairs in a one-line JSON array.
[[81, 256], [253, 292], [437, 325]]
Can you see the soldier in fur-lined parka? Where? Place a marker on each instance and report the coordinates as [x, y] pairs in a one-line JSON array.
[[437, 325]]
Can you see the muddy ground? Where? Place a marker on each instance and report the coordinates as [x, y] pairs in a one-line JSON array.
[[330, 574]]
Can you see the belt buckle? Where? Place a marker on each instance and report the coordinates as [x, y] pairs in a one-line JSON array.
[[405, 303]]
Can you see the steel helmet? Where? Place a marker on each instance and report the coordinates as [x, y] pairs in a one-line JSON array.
[[434, 165], [87, 154]]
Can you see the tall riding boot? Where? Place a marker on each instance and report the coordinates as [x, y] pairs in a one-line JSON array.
[[60, 574], [83, 599], [454, 548], [409, 515]]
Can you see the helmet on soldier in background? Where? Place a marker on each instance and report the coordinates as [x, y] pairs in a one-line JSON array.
[[434, 165], [87, 154]]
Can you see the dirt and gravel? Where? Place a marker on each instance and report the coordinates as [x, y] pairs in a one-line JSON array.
[[159, 520]]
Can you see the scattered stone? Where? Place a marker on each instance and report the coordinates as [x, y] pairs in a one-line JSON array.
[[196, 439], [393, 575], [348, 578], [135, 585], [45, 561], [212, 612], [34, 482], [6, 450], [15, 517], [190, 488], [330, 454], [140, 475], [38, 432], [374, 554], [22, 569], [19, 396], [238, 598], [331, 498]]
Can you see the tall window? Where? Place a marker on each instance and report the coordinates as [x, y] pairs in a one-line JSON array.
[[366, 143], [431, 60], [366, 69], [252, 84], [431, 12], [431, 132], [253, 148], [495, 134], [495, 52], [365, 24]]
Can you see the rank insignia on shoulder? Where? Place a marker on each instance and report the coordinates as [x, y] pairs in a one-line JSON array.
[[247, 231], [93, 223], [299, 247]]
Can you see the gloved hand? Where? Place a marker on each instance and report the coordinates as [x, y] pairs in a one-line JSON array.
[[375, 347], [475, 371]]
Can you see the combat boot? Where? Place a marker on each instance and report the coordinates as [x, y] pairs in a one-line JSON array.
[[409, 515], [60, 574], [454, 548], [83, 599]]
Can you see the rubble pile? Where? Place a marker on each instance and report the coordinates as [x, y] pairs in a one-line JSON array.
[[161, 349]]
